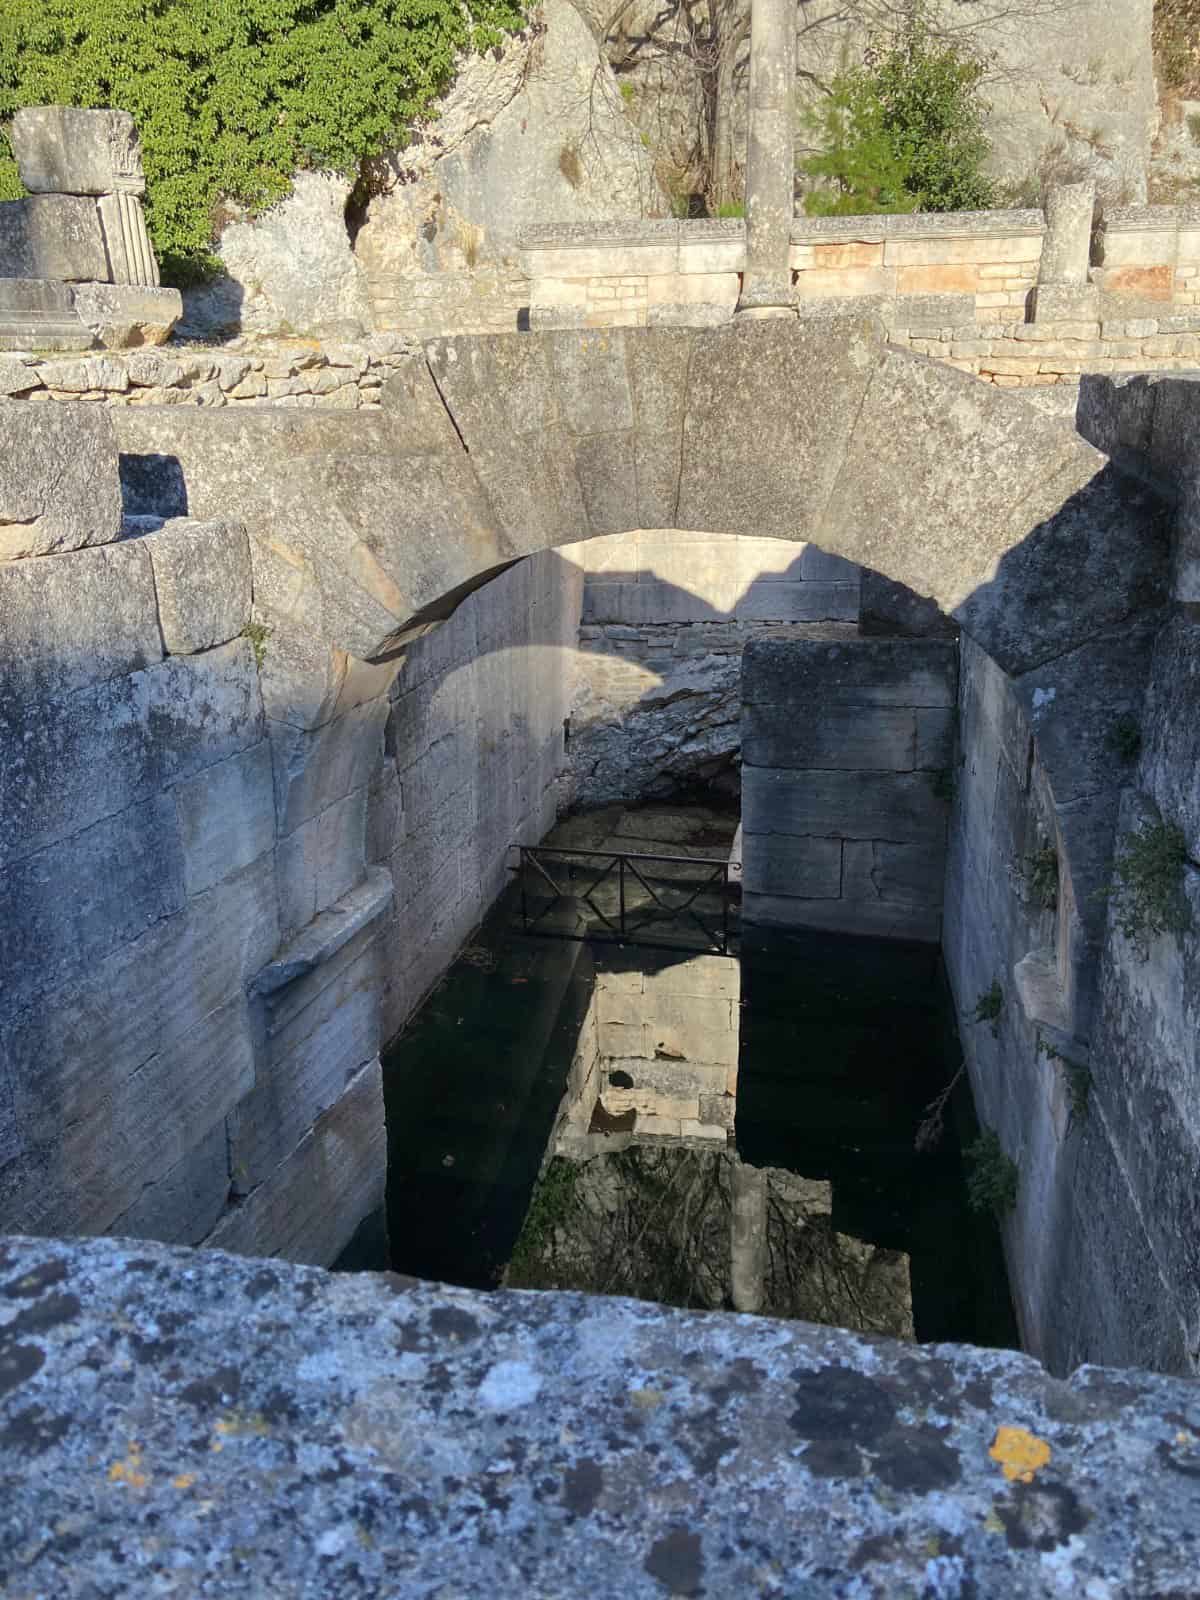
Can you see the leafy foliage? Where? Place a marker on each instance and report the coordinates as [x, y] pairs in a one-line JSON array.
[[902, 132], [231, 97], [992, 1176], [989, 1006], [1125, 738], [1041, 874], [1147, 886]]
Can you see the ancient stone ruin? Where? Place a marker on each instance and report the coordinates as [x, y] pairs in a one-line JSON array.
[[77, 268], [286, 686]]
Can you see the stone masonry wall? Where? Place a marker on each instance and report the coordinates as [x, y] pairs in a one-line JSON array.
[[202, 949], [847, 745], [474, 763], [666, 614]]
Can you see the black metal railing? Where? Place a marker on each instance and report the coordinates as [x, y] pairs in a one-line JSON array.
[[618, 897]]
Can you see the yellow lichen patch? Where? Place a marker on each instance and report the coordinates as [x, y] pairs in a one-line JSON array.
[[1021, 1454], [130, 1470], [646, 1399], [235, 1424], [185, 1480]]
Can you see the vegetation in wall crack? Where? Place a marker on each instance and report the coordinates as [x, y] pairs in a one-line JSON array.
[[1125, 738], [1041, 875], [992, 1176], [903, 131], [1176, 41], [231, 97], [1077, 1081], [989, 1006], [258, 633], [1147, 884], [550, 1208]]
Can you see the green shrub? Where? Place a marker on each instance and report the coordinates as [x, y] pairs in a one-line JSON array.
[[1125, 738], [231, 97], [1041, 874], [989, 1006], [903, 132], [1147, 885], [992, 1176]]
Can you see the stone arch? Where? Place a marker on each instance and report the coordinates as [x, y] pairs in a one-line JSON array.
[[370, 527]]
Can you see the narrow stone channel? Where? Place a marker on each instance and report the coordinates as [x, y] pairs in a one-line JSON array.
[[679, 1124]]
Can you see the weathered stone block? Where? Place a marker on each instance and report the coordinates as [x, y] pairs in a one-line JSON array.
[[321, 860], [900, 875], [314, 769], [310, 1057], [778, 864], [308, 1208], [850, 672], [124, 316], [38, 314], [76, 619], [202, 580], [70, 150], [52, 236], [185, 1203], [844, 805], [79, 899], [226, 817], [883, 738], [204, 708], [58, 480], [737, 439]]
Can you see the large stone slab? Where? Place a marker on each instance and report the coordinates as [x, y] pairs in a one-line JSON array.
[[871, 737], [76, 619], [39, 314], [309, 1206], [770, 409], [52, 236], [202, 580], [226, 817], [841, 672], [75, 901], [845, 805], [805, 868], [124, 316], [58, 480], [315, 1383], [70, 150]]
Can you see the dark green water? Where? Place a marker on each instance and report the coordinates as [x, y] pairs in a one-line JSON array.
[[843, 1044]]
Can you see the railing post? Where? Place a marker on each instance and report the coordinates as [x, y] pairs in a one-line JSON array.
[[621, 881]]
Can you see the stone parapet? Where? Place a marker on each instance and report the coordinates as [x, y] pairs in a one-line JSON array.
[[408, 1434]]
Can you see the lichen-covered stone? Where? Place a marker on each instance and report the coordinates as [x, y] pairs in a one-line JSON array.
[[252, 1428], [58, 480]]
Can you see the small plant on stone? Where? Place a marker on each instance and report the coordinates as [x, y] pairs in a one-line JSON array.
[[1041, 874], [1147, 885], [989, 1006], [258, 633], [943, 785], [1125, 738], [992, 1176], [570, 165], [1077, 1081]]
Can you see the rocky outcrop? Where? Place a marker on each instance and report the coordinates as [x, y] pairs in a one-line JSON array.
[[533, 131], [289, 271]]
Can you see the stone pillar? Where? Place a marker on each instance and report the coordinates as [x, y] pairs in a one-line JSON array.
[[748, 1236], [1063, 293], [770, 161]]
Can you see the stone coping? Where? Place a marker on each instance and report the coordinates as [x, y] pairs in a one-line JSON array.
[[189, 1421], [1147, 219], [805, 230], [328, 932]]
